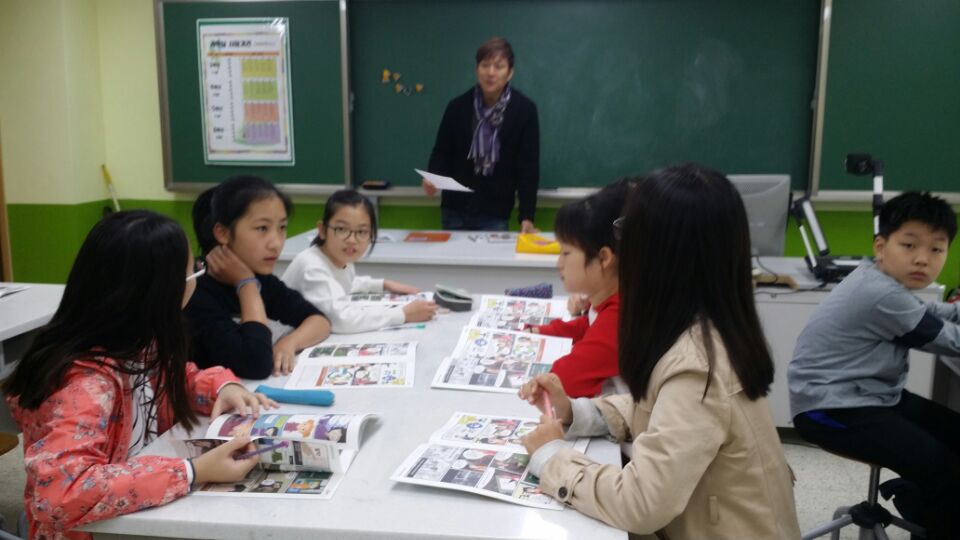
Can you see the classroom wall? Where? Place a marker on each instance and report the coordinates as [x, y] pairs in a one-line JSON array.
[[78, 87]]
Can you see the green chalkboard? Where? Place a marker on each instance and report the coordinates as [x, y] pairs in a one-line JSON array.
[[622, 87], [893, 90], [316, 91]]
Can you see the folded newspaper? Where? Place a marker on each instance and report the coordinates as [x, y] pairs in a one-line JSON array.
[[480, 454], [302, 454]]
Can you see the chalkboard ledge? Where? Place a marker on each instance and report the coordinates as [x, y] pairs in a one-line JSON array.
[[560, 194], [289, 189]]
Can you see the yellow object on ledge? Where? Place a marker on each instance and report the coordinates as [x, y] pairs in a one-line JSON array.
[[534, 243]]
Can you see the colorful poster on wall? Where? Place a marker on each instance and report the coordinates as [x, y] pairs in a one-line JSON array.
[[245, 91]]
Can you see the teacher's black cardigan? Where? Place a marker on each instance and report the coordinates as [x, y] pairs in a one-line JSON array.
[[516, 174]]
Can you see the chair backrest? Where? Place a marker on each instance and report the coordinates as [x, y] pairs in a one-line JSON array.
[[8, 442]]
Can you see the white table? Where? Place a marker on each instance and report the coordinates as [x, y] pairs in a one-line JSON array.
[[368, 504], [20, 314], [466, 261], [490, 268]]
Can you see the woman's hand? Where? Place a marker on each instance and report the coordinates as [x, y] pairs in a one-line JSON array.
[[399, 288], [429, 188], [535, 390], [526, 226], [218, 465], [548, 430], [234, 397], [578, 304], [419, 311], [224, 266], [284, 356]]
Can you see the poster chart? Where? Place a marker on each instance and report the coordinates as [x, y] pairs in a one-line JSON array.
[[245, 91]]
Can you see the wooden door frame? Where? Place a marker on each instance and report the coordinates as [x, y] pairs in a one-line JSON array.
[[6, 259]]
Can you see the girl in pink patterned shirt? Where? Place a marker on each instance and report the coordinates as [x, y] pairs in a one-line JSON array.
[[108, 374]]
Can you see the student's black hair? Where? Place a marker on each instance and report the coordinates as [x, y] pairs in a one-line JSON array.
[[916, 206], [348, 197], [685, 262], [587, 223], [227, 202], [123, 298]]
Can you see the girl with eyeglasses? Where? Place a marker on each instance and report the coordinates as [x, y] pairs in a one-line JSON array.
[[588, 266], [241, 226], [325, 274]]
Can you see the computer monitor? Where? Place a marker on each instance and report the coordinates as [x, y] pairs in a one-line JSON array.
[[767, 200]]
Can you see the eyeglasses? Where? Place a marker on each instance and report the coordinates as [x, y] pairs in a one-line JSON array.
[[618, 228], [343, 233]]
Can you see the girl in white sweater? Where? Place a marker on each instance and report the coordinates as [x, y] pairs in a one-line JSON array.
[[325, 275]]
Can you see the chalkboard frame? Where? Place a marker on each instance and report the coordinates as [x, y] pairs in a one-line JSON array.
[[304, 186], [368, 115], [846, 62]]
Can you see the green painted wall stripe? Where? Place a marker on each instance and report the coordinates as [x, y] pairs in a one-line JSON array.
[[46, 237]]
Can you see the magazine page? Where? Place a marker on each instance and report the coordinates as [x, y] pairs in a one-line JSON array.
[[502, 475], [355, 365], [387, 299], [276, 454], [342, 431], [489, 432], [515, 313], [491, 360], [266, 483]]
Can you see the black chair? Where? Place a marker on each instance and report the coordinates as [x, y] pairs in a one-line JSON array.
[[871, 517]]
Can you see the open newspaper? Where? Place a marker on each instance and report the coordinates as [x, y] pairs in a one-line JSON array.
[[480, 454], [491, 360], [355, 365], [302, 454], [515, 313]]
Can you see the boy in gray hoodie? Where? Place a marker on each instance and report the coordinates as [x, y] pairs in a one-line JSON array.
[[850, 365]]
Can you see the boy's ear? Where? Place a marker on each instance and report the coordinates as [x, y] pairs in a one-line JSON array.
[[606, 257], [878, 244], [221, 234]]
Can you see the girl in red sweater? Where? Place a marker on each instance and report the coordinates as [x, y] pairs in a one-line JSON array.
[[588, 266]]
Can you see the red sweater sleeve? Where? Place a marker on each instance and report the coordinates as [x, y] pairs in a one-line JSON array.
[[203, 384], [573, 329], [593, 358]]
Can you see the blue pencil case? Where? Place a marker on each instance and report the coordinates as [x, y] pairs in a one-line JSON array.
[[321, 398]]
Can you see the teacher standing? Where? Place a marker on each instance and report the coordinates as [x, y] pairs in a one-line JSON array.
[[489, 141]]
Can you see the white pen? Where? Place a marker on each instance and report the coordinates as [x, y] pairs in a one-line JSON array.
[[195, 275]]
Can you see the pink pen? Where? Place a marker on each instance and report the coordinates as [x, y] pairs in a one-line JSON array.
[[548, 406]]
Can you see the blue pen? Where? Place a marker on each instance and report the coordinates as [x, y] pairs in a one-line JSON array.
[[261, 450]]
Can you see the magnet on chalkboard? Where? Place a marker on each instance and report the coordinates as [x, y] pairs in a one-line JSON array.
[[398, 88], [396, 76], [386, 76], [418, 87]]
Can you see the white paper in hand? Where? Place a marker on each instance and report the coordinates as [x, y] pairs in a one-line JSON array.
[[443, 182]]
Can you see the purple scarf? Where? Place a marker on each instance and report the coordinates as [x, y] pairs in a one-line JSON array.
[[485, 148]]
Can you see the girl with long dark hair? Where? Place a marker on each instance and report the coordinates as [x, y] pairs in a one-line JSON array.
[[241, 226], [108, 374], [707, 461]]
